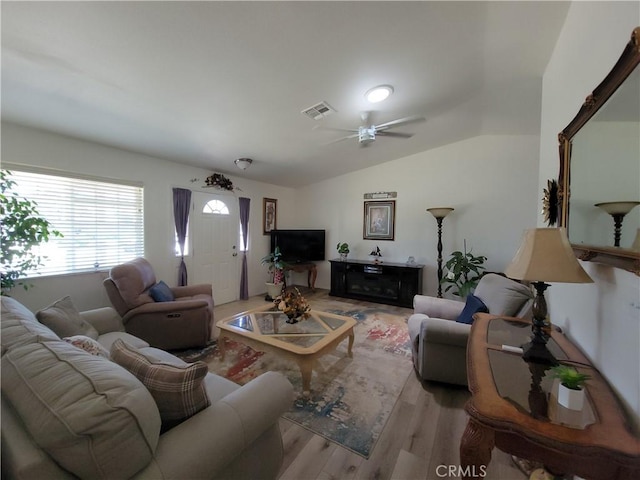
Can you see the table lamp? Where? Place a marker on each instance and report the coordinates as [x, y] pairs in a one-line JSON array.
[[545, 255]]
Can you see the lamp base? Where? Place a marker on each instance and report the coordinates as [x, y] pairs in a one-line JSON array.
[[537, 352]]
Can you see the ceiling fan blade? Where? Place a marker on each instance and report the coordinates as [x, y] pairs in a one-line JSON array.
[[330, 129], [355, 135], [400, 121], [394, 134]]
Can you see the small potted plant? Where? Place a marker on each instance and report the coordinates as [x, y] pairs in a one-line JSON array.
[[343, 250], [570, 390], [276, 271]]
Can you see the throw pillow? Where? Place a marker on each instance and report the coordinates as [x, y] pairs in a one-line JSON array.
[[472, 305], [64, 319], [179, 391], [161, 292], [88, 344]]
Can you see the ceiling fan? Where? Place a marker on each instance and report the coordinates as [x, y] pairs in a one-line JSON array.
[[366, 133]]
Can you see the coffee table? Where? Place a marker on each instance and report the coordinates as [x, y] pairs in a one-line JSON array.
[[266, 329]]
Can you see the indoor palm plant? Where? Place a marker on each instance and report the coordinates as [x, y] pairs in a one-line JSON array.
[[276, 267], [464, 271]]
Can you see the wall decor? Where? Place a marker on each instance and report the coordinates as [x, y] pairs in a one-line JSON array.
[[379, 220], [218, 180], [269, 215], [550, 203], [380, 195]]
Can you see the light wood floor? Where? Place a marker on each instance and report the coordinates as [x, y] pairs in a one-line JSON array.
[[423, 432]]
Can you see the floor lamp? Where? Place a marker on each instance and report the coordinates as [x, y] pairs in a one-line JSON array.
[[617, 210], [439, 214]]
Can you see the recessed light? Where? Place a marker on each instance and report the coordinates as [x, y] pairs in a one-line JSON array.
[[379, 93]]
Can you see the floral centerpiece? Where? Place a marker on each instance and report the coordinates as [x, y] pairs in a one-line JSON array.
[[293, 305]]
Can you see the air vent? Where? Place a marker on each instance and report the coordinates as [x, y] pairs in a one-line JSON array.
[[319, 111]]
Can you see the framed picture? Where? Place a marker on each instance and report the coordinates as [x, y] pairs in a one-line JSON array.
[[269, 215], [379, 220]]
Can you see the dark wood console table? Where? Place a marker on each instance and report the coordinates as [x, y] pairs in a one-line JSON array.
[[514, 407], [390, 283]]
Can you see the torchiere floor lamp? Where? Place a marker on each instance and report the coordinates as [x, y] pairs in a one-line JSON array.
[[439, 214]]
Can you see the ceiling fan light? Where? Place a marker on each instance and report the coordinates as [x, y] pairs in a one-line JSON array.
[[243, 163], [379, 93]]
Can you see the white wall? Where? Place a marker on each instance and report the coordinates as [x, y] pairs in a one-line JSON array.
[[489, 180], [21, 145], [603, 318]]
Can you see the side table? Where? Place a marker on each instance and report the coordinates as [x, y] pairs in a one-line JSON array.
[[310, 268]]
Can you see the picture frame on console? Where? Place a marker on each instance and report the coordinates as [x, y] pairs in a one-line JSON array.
[[269, 215], [379, 220]]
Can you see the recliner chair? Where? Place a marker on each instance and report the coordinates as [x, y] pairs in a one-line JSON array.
[[439, 343], [182, 323]]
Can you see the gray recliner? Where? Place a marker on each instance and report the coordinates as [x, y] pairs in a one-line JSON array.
[[439, 343]]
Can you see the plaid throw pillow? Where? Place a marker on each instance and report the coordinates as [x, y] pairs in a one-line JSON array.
[[179, 391]]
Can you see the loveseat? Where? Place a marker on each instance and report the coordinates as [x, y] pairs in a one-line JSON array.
[[69, 414]]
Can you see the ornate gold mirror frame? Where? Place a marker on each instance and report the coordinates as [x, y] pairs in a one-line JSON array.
[[617, 257]]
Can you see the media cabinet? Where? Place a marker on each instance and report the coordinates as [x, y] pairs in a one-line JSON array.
[[389, 283]]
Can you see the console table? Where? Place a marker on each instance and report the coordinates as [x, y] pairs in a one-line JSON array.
[[390, 283], [309, 267], [514, 407]]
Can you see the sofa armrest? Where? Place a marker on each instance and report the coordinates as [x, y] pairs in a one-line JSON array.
[[205, 443], [165, 307], [437, 307], [104, 320], [191, 290], [443, 331]]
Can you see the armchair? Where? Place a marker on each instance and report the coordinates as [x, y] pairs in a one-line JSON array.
[[185, 322], [439, 343]]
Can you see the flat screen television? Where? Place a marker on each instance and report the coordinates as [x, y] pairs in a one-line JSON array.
[[299, 246]]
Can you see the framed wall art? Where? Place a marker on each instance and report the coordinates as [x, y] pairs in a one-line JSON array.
[[379, 220], [269, 215]]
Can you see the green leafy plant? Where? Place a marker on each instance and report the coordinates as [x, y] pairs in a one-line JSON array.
[[464, 271], [343, 248], [22, 230], [275, 265], [570, 377]]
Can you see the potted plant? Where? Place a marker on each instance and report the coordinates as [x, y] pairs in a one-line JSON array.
[[464, 271], [570, 390], [343, 250], [276, 271], [22, 231]]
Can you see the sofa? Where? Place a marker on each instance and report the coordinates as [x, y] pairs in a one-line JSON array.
[[439, 340], [170, 318], [68, 413]]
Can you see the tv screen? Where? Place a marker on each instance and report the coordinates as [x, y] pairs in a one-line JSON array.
[[298, 246]]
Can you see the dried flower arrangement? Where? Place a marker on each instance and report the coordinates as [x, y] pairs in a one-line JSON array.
[[293, 305], [219, 181]]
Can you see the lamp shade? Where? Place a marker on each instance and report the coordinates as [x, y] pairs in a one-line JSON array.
[[545, 255], [617, 208], [440, 212]]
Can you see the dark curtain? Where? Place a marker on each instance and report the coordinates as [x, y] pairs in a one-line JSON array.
[[244, 224], [181, 204]]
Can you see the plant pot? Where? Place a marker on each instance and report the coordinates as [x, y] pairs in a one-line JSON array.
[[343, 257], [569, 398], [273, 290]]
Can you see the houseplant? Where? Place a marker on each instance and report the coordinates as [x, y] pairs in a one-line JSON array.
[[570, 390], [22, 230], [464, 271], [343, 250], [276, 267]]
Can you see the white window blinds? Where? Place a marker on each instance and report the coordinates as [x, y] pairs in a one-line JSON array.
[[102, 222]]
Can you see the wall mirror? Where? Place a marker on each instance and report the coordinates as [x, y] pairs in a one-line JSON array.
[[599, 181]]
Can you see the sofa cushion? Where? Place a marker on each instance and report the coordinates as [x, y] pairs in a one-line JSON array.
[[178, 390], [64, 319], [132, 281], [472, 306], [20, 326], [88, 344], [94, 418], [107, 339], [502, 295], [161, 292]]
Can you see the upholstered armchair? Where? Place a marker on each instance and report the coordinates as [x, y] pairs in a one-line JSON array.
[[178, 317], [439, 341]]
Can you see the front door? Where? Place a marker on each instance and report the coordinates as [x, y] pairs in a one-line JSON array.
[[215, 225]]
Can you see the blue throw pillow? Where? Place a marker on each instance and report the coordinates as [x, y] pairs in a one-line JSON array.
[[161, 292], [473, 305]]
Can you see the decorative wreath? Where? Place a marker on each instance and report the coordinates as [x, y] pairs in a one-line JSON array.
[[550, 203], [219, 181]]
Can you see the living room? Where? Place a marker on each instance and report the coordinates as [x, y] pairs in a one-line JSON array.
[[494, 181]]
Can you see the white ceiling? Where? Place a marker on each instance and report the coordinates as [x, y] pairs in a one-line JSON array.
[[204, 83]]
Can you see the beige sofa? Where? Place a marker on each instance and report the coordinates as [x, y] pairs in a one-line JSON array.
[[69, 414]]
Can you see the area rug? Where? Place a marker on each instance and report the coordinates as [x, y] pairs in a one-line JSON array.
[[351, 398]]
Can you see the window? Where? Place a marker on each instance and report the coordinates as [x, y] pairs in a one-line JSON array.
[[102, 222], [216, 207]]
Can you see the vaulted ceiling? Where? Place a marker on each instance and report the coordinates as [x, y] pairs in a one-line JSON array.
[[204, 83]]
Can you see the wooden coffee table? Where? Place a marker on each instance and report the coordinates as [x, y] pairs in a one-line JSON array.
[[266, 329]]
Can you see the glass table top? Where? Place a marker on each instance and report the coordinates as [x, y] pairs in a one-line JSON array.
[[515, 334]]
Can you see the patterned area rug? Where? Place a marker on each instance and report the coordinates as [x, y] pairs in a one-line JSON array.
[[351, 398]]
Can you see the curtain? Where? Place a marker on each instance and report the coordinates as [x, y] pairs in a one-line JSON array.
[[244, 225], [181, 204]]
